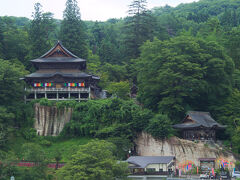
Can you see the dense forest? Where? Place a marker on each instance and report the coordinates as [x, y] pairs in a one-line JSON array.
[[155, 65]]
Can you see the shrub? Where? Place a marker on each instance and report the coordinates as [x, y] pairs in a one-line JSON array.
[[160, 126], [29, 133], [45, 142]]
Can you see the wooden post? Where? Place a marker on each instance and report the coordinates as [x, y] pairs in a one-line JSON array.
[[57, 94], [89, 91], [35, 94]]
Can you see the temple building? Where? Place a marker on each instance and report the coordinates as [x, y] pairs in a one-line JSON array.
[[61, 75], [151, 165], [199, 126]]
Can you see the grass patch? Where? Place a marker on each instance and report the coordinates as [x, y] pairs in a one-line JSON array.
[[65, 146]]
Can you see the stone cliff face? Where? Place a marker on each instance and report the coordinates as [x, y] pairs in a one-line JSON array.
[[49, 121], [186, 152]]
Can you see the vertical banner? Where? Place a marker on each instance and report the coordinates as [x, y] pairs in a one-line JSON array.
[[213, 172]]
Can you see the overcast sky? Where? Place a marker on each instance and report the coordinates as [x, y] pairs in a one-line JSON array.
[[100, 10]]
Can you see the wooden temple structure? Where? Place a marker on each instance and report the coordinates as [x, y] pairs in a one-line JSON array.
[[61, 75], [199, 126]]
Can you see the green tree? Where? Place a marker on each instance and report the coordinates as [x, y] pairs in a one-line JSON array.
[[160, 126], [228, 114], [40, 30], [5, 119], [92, 161], [72, 32], [57, 157], [138, 28], [120, 89], [6, 167], [232, 45], [15, 44], [182, 70], [1, 38], [112, 73], [11, 88], [236, 140], [107, 51], [34, 152]]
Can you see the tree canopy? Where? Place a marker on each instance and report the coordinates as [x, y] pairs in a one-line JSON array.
[[94, 160], [174, 75], [72, 32]]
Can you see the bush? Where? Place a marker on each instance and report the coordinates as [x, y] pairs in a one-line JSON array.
[[29, 133], [66, 104], [160, 127], [45, 142], [46, 102]]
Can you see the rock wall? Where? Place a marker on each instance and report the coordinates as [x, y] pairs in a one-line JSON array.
[[49, 121], [185, 151]]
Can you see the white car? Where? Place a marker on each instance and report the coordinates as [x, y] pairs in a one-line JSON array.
[[204, 176], [236, 174]]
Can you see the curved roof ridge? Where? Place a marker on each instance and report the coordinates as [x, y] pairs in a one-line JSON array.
[[201, 119], [198, 112]]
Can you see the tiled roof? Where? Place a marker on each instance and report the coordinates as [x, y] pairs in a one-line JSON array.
[[144, 161], [199, 118], [47, 75], [57, 60]]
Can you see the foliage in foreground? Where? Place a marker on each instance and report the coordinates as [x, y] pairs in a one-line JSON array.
[[94, 160]]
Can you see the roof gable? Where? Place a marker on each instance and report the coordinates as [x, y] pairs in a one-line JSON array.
[[58, 51]]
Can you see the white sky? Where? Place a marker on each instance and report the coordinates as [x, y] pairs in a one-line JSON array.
[[100, 10]]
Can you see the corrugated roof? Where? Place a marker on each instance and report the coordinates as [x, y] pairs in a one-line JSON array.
[[199, 119], [144, 161]]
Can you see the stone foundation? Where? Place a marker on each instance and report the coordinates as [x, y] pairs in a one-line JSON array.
[[186, 152], [50, 121]]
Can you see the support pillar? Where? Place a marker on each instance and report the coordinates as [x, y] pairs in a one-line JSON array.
[[35, 94], [69, 96], [79, 96], [57, 95], [89, 93]]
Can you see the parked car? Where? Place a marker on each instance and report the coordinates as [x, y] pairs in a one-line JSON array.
[[204, 176], [224, 175], [211, 176], [236, 174]]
